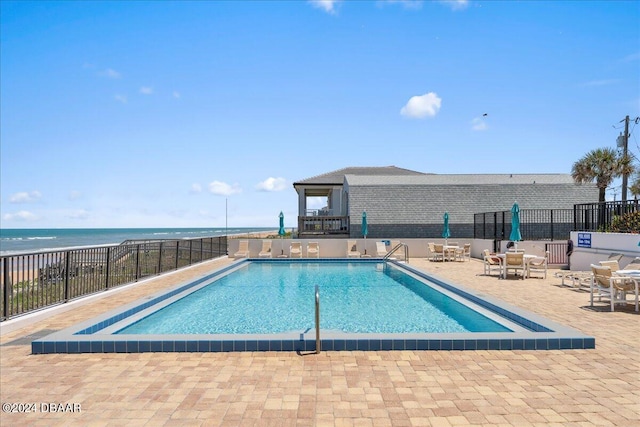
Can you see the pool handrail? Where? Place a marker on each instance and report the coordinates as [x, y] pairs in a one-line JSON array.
[[395, 248], [317, 320]]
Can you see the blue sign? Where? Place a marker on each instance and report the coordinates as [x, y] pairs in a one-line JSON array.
[[584, 240]]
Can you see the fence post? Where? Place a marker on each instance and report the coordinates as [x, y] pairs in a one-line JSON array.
[[160, 258], [66, 275], [137, 262], [177, 252], [484, 226], [190, 252], [5, 286], [106, 281]]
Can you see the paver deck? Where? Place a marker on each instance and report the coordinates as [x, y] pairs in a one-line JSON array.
[[396, 388]]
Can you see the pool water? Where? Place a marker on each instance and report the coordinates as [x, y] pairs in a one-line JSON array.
[[273, 297]]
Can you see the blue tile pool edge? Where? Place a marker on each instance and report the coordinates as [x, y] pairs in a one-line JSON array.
[[544, 335]]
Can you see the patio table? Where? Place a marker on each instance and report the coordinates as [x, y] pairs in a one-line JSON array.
[[527, 258]]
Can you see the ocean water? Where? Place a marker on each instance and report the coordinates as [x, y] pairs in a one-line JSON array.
[[44, 239]]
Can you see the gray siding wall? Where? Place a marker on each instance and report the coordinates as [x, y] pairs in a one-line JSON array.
[[417, 211]]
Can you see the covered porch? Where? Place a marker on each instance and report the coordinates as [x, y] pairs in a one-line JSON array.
[[322, 211]]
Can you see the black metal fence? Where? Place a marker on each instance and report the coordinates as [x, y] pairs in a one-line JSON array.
[[535, 224], [32, 281], [600, 216]]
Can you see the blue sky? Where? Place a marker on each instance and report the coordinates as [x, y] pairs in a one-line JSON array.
[[170, 114]]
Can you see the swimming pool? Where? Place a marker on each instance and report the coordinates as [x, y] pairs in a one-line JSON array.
[[268, 305]]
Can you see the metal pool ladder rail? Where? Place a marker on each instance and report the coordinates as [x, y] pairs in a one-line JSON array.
[[317, 320], [396, 248]]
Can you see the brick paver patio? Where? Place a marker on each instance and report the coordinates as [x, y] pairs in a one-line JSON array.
[[397, 388]]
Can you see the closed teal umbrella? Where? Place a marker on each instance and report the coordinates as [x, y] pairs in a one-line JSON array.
[[515, 225], [446, 233], [281, 232], [365, 230]]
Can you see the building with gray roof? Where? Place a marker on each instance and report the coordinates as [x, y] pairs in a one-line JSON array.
[[405, 203]]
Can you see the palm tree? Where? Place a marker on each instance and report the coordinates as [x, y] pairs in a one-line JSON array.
[[634, 188], [602, 165]]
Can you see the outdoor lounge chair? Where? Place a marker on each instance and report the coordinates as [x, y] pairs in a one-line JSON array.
[[604, 285], [381, 249], [295, 250], [579, 279], [491, 263], [613, 264], [243, 249], [634, 264], [352, 249], [514, 261], [538, 265], [313, 250], [266, 249]]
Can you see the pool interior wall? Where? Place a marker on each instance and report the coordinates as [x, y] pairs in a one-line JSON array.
[[538, 333]]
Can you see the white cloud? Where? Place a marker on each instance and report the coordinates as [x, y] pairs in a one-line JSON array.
[[121, 98], [20, 216], [25, 197], [272, 184], [195, 188], [407, 4], [632, 57], [426, 105], [75, 195], [601, 82], [145, 90], [316, 202], [110, 74], [479, 124], [328, 6], [456, 4], [224, 189], [79, 214]]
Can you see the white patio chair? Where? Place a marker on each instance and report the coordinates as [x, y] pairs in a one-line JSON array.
[[514, 261], [605, 285], [463, 252], [431, 251], [538, 265], [491, 263], [438, 252]]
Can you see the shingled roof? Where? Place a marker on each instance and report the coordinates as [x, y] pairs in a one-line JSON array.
[[461, 179], [337, 177]]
